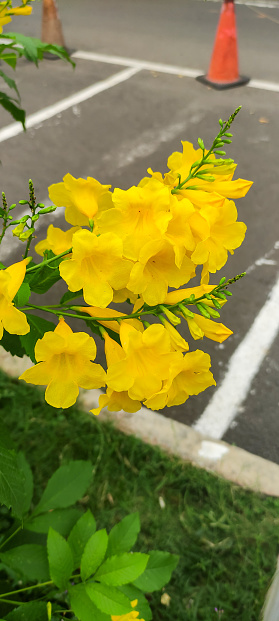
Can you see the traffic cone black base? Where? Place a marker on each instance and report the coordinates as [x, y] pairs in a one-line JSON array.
[[220, 86]]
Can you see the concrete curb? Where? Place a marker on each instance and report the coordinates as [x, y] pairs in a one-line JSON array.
[[230, 462]]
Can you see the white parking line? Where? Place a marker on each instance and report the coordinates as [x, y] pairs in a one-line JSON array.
[[162, 68], [243, 367], [60, 106]]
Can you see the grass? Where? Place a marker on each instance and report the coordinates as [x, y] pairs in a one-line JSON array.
[[227, 538]]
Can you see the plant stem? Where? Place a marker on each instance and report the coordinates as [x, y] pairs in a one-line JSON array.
[[40, 265], [10, 537]]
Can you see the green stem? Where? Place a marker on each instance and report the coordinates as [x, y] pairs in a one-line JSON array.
[[10, 537], [11, 601], [34, 586], [47, 261]]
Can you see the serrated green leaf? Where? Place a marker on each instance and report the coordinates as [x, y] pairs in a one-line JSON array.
[[122, 569], [11, 482], [67, 485], [38, 327], [109, 600], [60, 559], [8, 103], [94, 553], [80, 534], [158, 571], [28, 481], [83, 606], [22, 295], [11, 83], [142, 606], [33, 611], [10, 58], [123, 535], [61, 520], [28, 560]]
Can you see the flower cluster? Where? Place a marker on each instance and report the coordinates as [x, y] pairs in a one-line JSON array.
[[140, 246]]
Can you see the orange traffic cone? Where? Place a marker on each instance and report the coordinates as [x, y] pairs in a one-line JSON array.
[[223, 70], [51, 24]]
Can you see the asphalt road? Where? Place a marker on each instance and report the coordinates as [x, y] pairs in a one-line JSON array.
[[116, 134]]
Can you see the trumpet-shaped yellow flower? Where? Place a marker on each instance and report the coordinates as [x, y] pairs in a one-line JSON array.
[[200, 326], [145, 363], [205, 192], [129, 616], [116, 402], [178, 343], [156, 270], [140, 215], [189, 376], [65, 363], [225, 235], [97, 266], [11, 319], [83, 198], [57, 240], [186, 228]]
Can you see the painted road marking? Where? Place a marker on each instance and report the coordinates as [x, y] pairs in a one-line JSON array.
[[242, 368], [64, 104], [162, 68]]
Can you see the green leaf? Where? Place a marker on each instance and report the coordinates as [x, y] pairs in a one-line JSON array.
[[108, 599], [70, 295], [67, 485], [142, 606], [80, 534], [83, 606], [122, 569], [123, 535], [8, 103], [94, 553], [33, 611], [11, 482], [28, 481], [10, 58], [38, 327], [43, 278], [158, 571], [11, 83], [28, 560], [5, 438], [34, 49], [62, 520], [12, 343], [60, 559], [22, 295]]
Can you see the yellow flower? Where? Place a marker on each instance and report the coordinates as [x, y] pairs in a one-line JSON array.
[[129, 616], [96, 311], [178, 343], [156, 270], [64, 363], [11, 319], [185, 229], [140, 215], [205, 192], [83, 198], [57, 240], [225, 235], [189, 376], [145, 362], [200, 326], [97, 266], [115, 401]]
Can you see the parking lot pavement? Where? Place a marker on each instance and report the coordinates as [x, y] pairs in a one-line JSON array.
[[112, 120]]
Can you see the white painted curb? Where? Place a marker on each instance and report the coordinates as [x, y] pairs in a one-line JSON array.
[[230, 462]]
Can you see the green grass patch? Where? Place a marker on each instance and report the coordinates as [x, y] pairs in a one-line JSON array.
[[227, 538]]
